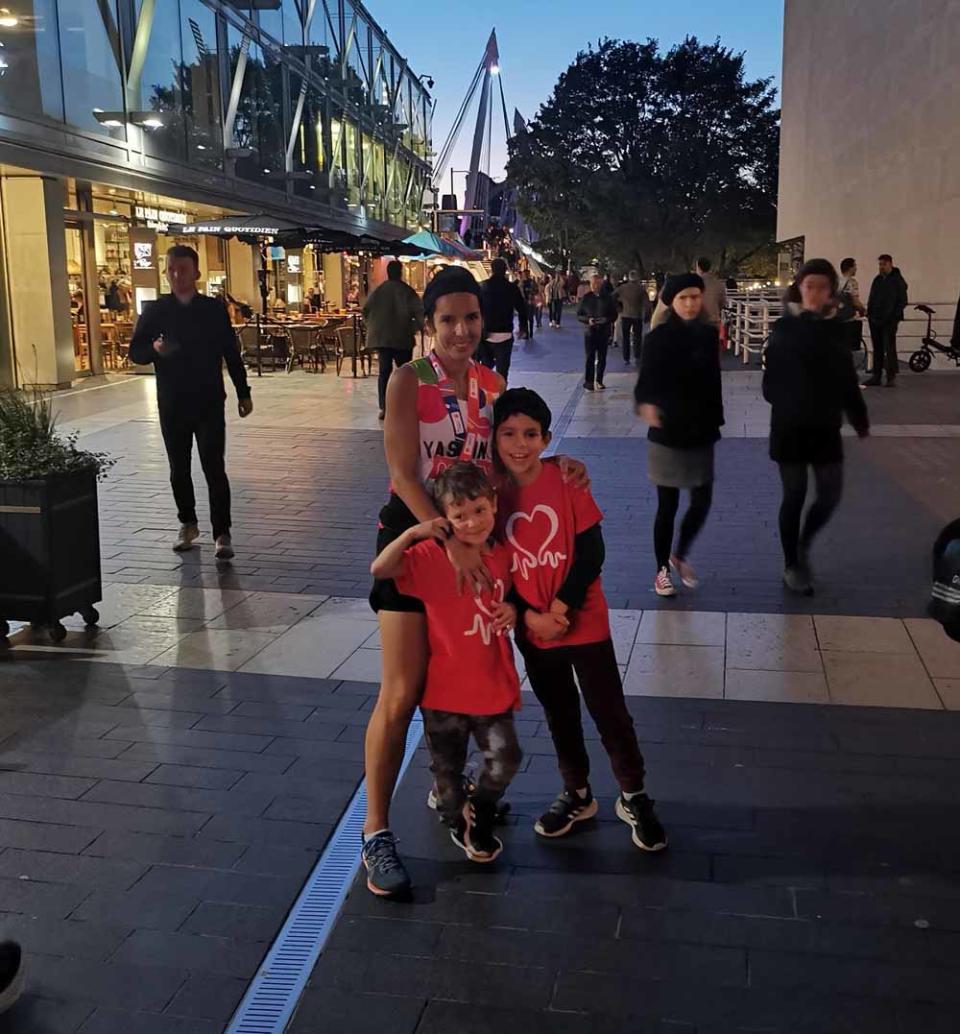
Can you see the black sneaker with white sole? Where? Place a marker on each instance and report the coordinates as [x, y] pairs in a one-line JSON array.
[[386, 875], [479, 841], [566, 811], [469, 787], [639, 814]]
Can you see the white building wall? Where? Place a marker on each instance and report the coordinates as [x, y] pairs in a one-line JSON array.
[[870, 151]]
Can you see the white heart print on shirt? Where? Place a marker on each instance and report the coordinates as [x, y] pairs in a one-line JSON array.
[[483, 621], [523, 560]]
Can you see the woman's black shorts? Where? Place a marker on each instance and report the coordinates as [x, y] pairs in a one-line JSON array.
[[395, 519]]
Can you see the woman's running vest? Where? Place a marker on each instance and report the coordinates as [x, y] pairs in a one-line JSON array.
[[452, 428]]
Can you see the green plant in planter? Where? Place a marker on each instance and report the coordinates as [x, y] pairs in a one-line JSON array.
[[31, 447]]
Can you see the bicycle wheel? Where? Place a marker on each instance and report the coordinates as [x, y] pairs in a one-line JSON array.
[[920, 361]]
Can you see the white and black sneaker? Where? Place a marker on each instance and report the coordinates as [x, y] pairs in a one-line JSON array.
[[469, 787], [638, 813], [475, 835], [566, 811]]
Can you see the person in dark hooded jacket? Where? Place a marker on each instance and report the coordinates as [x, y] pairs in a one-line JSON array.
[[810, 383], [885, 306]]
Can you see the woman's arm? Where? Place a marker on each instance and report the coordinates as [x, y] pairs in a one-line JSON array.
[[401, 443]]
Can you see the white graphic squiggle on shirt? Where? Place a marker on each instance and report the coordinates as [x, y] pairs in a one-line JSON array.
[[481, 625], [523, 560]]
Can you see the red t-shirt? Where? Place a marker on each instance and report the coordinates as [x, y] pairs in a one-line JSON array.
[[541, 523], [471, 669]]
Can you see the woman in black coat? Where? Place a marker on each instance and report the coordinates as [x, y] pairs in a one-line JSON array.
[[678, 394], [810, 383]]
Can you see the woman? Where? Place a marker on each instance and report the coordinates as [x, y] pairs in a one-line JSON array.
[[439, 409], [810, 382], [679, 396], [555, 292]]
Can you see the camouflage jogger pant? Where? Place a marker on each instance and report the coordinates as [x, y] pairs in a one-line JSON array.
[[448, 737]]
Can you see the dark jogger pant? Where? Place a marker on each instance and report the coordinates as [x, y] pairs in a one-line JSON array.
[[556, 311], [551, 678], [883, 338], [387, 359], [828, 478], [595, 347], [179, 427], [448, 739], [631, 326], [496, 355]]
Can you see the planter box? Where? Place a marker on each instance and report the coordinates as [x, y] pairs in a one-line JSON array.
[[49, 549]]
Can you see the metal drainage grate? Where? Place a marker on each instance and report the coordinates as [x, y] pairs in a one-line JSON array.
[[275, 990]]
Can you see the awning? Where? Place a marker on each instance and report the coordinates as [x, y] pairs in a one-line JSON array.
[[454, 249], [257, 225]]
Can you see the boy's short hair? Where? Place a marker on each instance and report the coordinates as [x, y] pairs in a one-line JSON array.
[[847, 264], [525, 402], [460, 482]]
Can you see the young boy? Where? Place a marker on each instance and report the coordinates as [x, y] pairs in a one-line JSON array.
[[472, 683], [553, 532]]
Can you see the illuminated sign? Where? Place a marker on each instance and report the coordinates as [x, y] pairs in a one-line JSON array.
[[143, 255], [159, 215]]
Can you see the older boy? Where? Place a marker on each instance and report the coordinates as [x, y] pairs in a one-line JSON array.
[[553, 532]]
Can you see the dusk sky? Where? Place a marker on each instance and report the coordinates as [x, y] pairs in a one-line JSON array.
[[445, 39]]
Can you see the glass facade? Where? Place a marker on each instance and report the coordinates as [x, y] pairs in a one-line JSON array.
[[309, 101]]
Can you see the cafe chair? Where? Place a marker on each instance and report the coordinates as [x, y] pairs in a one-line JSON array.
[[305, 347]]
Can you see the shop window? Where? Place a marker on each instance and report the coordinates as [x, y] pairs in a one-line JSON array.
[[259, 122], [91, 64], [30, 62]]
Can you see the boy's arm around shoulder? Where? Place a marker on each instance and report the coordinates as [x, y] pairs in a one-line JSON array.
[[391, 561]]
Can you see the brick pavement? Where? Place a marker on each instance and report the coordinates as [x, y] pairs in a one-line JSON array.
[[165, 817], [810, 885], [155, 825]]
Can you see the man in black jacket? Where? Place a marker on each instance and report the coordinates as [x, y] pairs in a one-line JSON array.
[[598, 313], [499, 300], [187, 336], [888, 299]]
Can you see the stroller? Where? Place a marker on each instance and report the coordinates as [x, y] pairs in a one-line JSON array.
[[921, 359]]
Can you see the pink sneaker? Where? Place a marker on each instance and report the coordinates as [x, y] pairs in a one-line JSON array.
[[663, 584], [685, 572]]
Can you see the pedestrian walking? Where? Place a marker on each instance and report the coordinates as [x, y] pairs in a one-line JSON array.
[[555, 293], [188, 337], [634, 304], [439, 411], [500, 300], [680, 398], [810, 382], [528, 288], [538, 301], [885, 307], [393, 316], [598, 313]]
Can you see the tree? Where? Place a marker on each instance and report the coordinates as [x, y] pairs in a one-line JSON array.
[[648, 160]]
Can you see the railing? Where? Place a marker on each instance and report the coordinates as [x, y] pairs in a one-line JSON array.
[[750, 316]]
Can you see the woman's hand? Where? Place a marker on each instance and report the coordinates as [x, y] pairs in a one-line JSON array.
[[650, 414], [574, 472], [504, 617], [468, 564], [546, 627]]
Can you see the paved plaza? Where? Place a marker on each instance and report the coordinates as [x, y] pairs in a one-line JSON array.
[[167, 782]]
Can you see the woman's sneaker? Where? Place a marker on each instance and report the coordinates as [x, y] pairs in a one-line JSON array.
[[568, 809], [386, 876], [479, 843], [797, 579], [663, 583], [638, 813], [684, 571]]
